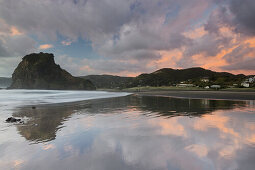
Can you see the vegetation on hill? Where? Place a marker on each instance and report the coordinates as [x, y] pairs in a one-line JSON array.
[[109, 81], [169, 77]]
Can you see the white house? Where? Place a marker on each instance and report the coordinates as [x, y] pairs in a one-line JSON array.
[[251, 79], [245, 84], [205, 79], [184, 85], [215, 86]]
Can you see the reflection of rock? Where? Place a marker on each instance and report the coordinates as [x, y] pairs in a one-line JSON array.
[[45, 121]]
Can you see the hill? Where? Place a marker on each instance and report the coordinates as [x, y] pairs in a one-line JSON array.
[[109, 81], [167, 77], [39, 71]]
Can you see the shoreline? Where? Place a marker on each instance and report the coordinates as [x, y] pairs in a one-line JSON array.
[[213, 95]]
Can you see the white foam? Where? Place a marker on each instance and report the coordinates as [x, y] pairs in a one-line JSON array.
[[35, 97]]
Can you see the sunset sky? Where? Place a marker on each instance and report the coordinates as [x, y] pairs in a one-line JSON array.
[[129, 37]]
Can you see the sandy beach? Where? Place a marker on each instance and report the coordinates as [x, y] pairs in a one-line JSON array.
[[224, 95]]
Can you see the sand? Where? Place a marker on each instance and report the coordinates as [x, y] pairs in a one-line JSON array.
[[226, 95]]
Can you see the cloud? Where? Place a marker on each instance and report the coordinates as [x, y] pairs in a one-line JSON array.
[[246, 64], [68, 18], [244, 17], [3, 50], [79, 66], [132, 33], [45, 46], [101, 20], [15, 31], [239, 53], [13, 46], [7, 65], [66, 43], [13, 42]]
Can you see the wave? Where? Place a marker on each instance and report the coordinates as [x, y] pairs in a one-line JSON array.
[[36, 97]]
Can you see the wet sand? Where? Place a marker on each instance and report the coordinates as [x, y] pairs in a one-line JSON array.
[[224, 95], [115, 133]]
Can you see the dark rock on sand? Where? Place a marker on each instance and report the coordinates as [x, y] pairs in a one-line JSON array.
[[39, 71], [12, 120]]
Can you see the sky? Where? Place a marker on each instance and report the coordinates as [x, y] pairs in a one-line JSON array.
[[129, 37]]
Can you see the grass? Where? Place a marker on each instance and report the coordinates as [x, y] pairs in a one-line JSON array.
[[164, 88], [173, 88]]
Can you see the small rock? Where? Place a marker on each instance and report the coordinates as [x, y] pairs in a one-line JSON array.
[[12, 119], [33, 107]]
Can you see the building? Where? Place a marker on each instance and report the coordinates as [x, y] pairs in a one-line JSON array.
[[184, 85], [245, 84], [205, 79], [251, 79], [215, 87]]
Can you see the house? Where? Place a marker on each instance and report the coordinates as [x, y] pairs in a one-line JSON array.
[[233, 86], [184, 85], [251, 79], [205, 79], [215, 87], [245, 84]]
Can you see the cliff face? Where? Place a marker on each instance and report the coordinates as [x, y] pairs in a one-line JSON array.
[[39, 71]]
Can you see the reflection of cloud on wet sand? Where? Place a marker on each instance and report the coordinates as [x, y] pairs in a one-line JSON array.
[[136, 138], [199, 150], [169, 127], [13, 164], [214, 121], [47, 147], [17, 163]]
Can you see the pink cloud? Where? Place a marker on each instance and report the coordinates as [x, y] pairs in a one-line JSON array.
[[45, 46]]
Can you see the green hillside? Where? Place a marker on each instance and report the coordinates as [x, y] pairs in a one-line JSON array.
[[109, 81], [168, 77]]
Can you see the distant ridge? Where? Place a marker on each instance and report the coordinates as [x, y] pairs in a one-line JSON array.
[[166, 77], [5, 82], [109, 81]]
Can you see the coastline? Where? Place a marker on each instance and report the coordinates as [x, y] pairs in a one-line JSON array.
[[215, 95]]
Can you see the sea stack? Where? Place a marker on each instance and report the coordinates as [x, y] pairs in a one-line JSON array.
[[39, 71]]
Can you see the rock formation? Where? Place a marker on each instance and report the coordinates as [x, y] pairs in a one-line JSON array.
[[39, 71]]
